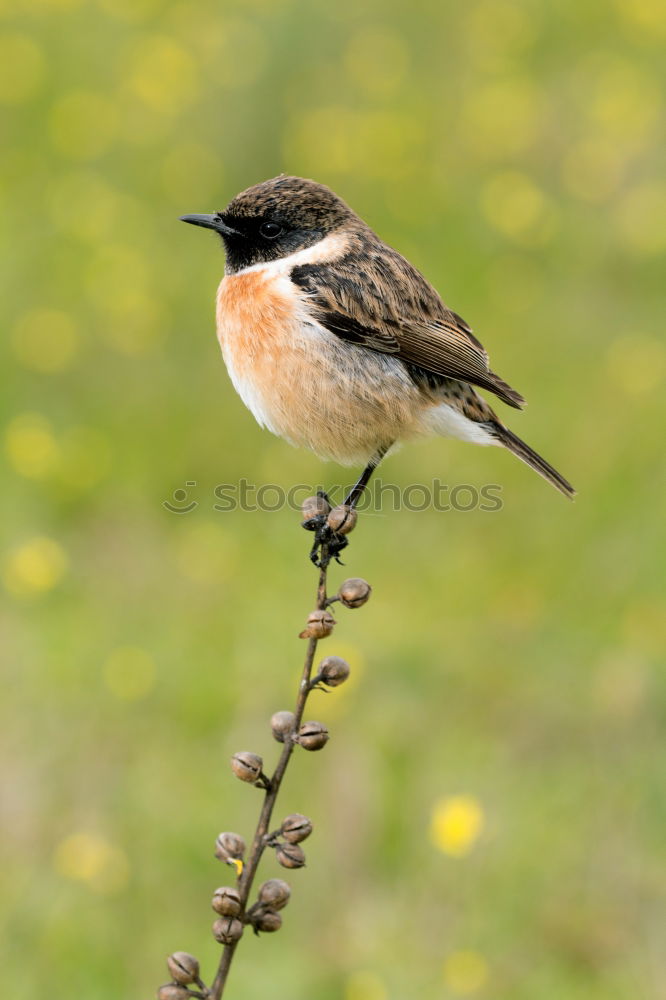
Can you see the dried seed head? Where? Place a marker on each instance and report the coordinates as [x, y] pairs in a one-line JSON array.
[[184, 968], [227, 930], [320, 624], [296, 828], [171, 991], [247, 766], [333, 670], [342, 519], [315, 507], [267, 921], [282, 725], [313, 735], [229, 847], [274, 893], [226, 901], [290, 855], [354, 592]]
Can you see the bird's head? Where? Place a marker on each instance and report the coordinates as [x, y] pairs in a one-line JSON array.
[[275, 219]]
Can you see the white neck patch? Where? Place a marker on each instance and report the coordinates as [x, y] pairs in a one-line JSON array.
[[330, 248]]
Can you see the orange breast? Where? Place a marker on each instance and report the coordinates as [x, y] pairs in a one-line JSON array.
[[304, 383], [254, 315]]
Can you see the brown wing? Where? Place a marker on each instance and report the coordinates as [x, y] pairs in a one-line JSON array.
[[375, 298]]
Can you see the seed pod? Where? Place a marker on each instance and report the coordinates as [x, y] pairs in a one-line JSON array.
[[274, 894], [226, 901], [227, 930], [342, 519], [266, 921], [184, 968], [316, 507], [282, 725], [320, 624], [247, 766], [290, 855], [354, 592], [229, 847], [313, 735], [296, 828], [333, 670], [172, 991]]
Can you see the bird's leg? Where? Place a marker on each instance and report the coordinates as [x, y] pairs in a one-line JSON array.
[[336, 542], [358, 490]]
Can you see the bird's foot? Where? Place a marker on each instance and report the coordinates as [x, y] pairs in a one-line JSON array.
[[327, 544]]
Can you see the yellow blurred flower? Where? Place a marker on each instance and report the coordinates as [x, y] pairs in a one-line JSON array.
[[621, 99], [365, 986], [83, 124], [163, 74], [465, 972], [457, 823], [92, 859], [377, 59], [129, 673], [45, 340], [34, 567], [31, 446], [640, 219], [649, 15], [517, 208], [21, 67]]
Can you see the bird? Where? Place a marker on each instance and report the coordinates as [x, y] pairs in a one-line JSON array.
[[336, 343]]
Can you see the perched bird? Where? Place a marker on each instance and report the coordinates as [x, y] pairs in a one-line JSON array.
[[337, 343]]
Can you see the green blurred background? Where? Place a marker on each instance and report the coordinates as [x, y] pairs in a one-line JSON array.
[[490, 812]]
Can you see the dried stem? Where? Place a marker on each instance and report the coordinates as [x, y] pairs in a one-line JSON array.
[[259, 842]]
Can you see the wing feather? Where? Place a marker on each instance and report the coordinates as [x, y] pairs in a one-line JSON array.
[[375, 298]]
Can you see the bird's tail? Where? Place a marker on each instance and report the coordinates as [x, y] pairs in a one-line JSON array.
[[526, 454]]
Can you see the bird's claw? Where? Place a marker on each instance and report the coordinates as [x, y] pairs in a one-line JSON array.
[[327, 543]]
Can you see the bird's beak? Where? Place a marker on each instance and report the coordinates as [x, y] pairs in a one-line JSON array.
[[210, 222]]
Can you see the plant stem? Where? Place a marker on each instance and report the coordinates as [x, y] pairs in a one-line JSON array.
[[258, 844]]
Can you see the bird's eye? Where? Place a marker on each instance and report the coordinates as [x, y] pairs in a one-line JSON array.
[[270, 230]]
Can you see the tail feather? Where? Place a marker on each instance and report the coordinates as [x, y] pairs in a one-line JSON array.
[[526, 454]]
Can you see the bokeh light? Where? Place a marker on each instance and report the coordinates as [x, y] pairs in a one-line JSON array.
[[34, 567], [93, 860], [31, 445], [456, 825], [465, 972]]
